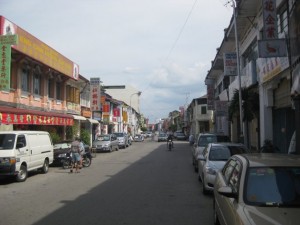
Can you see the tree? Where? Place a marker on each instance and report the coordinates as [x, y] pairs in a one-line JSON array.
[[250, 107]]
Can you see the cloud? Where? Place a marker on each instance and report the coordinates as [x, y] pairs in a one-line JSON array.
[[132, 42]]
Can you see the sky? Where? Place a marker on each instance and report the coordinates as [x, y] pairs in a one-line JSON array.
[[162, 48]]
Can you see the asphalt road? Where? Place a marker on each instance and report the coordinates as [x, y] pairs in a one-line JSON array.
[[141, 185]]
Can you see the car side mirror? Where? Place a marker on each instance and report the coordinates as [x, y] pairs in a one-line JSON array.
[[227, 192], [20, 145]]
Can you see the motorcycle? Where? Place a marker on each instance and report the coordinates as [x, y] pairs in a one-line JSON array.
[[67, 162], [170, 144]]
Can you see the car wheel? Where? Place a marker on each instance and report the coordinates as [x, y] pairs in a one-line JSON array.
[[216, 218], [45, 167], [22, 175]]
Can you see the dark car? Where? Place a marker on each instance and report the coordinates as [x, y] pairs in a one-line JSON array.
[[62, 148]]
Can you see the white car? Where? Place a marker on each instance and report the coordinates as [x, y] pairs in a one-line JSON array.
[[213, 158]]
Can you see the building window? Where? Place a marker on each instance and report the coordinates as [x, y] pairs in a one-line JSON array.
[[73, 94], [58, 91], [51, 88], [25, 80], [203, 110], [37, 84], [282, 20]]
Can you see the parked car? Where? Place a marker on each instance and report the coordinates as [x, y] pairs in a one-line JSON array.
[[106, 143], [123, 139], [139, 138], [62, 148], [202, 140], [213, 158], [260, 188], [180, 136], [162, 137]]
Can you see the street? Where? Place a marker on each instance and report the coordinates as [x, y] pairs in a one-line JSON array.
[[142, 184]]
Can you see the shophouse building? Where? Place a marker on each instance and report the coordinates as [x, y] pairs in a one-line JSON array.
[[40, 89], [262, 74]]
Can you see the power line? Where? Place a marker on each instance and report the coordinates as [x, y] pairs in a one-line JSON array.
[[179, 35], [181, 30]]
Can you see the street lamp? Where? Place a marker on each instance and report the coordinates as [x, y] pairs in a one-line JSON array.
[[238, 69]]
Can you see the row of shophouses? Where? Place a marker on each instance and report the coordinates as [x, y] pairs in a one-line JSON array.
[[40, 89], [269, 86]]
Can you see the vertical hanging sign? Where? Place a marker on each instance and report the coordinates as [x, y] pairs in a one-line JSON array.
[[95, 94], [5, 45], [269, 19]]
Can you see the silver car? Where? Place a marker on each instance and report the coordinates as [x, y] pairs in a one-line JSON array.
[[261, 188], [213, 158], [202, 140], [123, 139], [106, 143]]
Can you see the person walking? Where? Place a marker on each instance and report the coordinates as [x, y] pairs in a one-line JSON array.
[[81, 152], [75, 150]]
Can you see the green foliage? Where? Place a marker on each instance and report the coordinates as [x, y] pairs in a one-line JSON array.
[[143, 129], [250, 104], [85, 136], [55, 137]]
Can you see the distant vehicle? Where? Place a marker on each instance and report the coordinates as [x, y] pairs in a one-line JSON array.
[[106, 143], [139, 138], [123, 139], [213, 158], [24, 151], [180, 136], [162, 137], [202, 140], [260, 188]]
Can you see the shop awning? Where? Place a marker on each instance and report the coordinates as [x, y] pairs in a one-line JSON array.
[[11, 115], [93, 121], [76, 117]]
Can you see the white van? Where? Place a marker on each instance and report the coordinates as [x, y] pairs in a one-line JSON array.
[[24, 151]]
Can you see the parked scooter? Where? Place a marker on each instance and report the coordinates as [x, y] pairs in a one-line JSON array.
[[67, 162]]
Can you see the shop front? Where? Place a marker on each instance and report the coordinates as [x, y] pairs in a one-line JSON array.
[[26, 119]]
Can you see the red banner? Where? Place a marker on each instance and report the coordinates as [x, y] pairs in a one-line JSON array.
[[11, 118], [116, 112]]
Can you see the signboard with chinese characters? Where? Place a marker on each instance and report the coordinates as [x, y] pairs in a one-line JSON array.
[[5, 67], [95, 94], [12, 118], [8, 39], [5, 45], [230, 64], [269, 19]]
